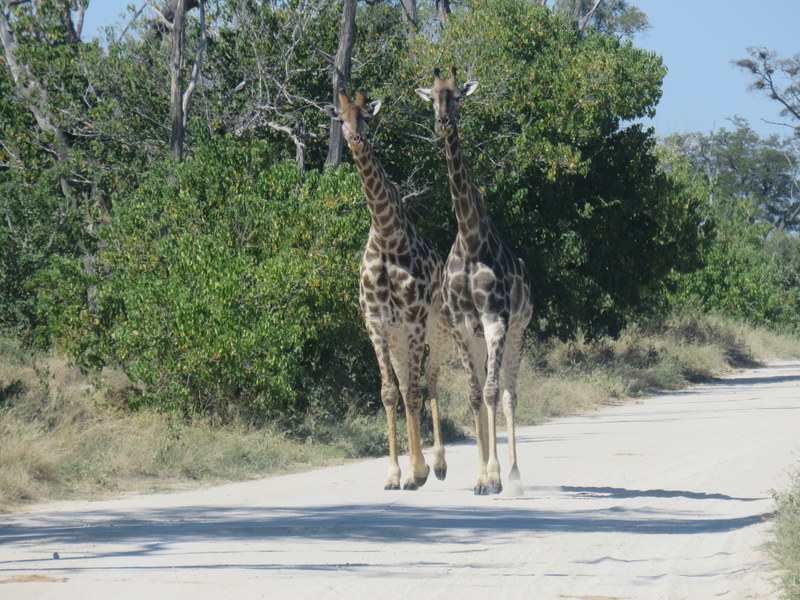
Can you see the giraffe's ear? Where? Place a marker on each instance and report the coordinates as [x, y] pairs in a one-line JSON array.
[[425, 93], [373, 108], [468, 88], [331, 111]]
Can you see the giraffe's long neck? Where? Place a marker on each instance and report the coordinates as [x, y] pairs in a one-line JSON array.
[[383, 199], [467, 201]]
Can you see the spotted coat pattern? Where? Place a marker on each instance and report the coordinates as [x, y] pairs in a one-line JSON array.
[[399, 294], [486, 295]]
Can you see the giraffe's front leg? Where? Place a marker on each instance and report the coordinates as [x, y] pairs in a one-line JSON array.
[[418, 469], [472, 352], [389, 396], [481, 425], [511, 362]]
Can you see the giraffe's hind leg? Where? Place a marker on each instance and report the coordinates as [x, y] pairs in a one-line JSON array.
[[439, 340], [513, 357], [407, 348]]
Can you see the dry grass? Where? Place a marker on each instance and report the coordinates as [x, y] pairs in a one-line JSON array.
[[62, 435], [561, 378]]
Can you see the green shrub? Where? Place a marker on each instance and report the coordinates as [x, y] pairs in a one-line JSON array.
[[39, 230], [748, 272], [234, 289]]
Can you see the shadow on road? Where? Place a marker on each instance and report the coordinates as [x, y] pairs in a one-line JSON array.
[[767, 379], [611, 492], [387, 523]]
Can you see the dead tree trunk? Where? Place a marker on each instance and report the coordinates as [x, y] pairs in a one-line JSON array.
[[442, 10], [412, 22], [174, 19], [341, 76], [176, 81]]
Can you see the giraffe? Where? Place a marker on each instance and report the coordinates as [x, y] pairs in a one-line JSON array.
[[486, 295], [399, 294]]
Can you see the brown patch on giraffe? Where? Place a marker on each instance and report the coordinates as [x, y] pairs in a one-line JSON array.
[[458, 180], [473, 240]]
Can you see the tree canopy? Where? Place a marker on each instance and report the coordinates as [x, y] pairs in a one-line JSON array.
[[223, 277]]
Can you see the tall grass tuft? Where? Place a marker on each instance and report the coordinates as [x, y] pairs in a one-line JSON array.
[[784, 547]]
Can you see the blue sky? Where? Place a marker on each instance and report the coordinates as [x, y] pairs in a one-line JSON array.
[[698, 39]]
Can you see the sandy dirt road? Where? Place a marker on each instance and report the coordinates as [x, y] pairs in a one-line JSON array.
[[661, 498]]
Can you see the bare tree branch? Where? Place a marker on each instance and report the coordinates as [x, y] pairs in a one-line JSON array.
[[131, 21], [166, 22], [789, 125], [417, 193], [764, 67], [329, 58], [198, 61], [589, 15]]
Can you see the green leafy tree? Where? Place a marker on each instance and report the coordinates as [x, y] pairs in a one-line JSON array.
[[46, 184], [576, 191], [749, 266], [742, 277], [742, 165]]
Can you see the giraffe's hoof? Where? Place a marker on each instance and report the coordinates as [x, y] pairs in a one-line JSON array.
[[420, 481], [494, 488], [440, 473], [481, 490], [410, 485], [392, 486]]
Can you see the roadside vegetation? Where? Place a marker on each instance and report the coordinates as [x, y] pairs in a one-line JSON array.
[[785, 544], [69, 435]]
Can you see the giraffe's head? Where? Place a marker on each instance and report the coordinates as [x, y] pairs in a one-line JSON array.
[[445, 96], [354, 117]]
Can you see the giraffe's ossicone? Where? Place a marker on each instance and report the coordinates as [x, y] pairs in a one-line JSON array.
[[399, 294]]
